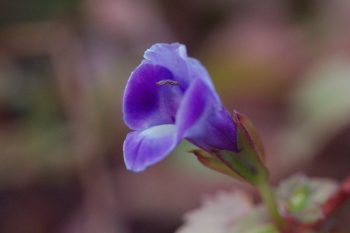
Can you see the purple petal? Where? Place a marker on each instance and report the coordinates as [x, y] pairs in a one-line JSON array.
[[198, 71], [147, 147], [147, 103], [192, 107], [174, 57], [202, 119]]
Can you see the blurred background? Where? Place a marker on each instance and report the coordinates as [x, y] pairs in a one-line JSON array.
[[63, 67]]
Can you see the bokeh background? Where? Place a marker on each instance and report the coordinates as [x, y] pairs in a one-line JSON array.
[[63, 67]]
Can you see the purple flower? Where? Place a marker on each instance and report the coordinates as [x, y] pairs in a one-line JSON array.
[[170, 97]]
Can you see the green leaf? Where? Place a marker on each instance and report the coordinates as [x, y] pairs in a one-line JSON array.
[[302, 197], [214, 163], [248, 136], [299, 199], [243, 163]]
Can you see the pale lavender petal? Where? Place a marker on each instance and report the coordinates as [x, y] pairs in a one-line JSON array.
[[199, 71], [203, 120], [145, 102], [171, 56], [147, 147], [174, 57]]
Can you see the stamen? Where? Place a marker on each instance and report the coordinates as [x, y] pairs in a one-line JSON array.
[[167, 82]]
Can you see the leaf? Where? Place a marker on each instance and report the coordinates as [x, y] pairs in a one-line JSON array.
[[214, 163], [218, 214], [302, 197], [244, 164], [248, 135]]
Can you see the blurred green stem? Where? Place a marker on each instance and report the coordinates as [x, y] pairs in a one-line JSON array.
[[269, 199]]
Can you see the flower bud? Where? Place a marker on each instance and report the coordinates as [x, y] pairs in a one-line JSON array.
[[245, 164]]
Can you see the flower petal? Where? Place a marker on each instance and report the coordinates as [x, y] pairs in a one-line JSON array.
[[146, 103], [203, 120], [147, 147], [193, 106], [174, 57]]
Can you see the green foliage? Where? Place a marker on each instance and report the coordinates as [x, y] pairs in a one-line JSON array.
[[299, 197], [302, 197]]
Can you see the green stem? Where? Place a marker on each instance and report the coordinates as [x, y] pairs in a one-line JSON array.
[[268, 198]]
